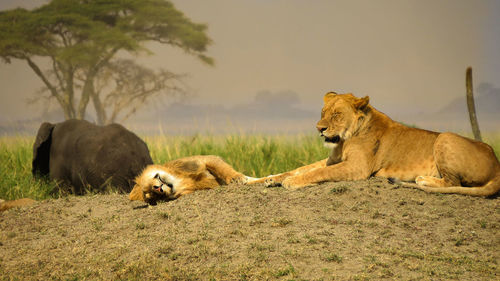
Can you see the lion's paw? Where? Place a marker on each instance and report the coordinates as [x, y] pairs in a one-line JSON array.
[[240, 179], [420, 180], [270, 182]]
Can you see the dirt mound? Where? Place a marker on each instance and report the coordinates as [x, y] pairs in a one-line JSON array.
[[344, 231]]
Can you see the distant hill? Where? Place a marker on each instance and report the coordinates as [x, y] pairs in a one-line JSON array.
[[274, 113], [455, 116], [487, 100], [278, 112]]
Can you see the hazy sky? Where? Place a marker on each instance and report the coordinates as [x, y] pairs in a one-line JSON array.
[[408, 56]]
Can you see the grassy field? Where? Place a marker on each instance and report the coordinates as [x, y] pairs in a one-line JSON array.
[[358, 230], [253, 155]]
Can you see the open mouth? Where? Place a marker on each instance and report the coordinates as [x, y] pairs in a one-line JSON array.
[[334, 139], [159, 189]]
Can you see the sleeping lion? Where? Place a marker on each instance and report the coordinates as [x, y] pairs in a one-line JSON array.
[[365, 142], [183, 176]]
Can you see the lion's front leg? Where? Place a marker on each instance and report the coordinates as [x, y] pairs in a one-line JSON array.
[[271, 180], [276, 180], [344, 171], [296, 182], [222, 170]]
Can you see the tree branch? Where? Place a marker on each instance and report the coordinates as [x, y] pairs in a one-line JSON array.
[[56, 68], [47, 83], [68, 112]]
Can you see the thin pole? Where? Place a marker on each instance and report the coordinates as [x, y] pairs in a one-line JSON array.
[[470, 105]]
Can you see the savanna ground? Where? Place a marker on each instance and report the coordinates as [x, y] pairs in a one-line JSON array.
[[361, 230]]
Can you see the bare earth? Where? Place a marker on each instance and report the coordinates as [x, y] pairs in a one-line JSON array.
[[361, 230]]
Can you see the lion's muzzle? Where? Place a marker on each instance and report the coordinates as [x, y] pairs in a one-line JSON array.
[[334, 139], [329, 139]]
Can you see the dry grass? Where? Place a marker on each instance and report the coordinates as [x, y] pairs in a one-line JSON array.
[[371, 230], [365, 230]]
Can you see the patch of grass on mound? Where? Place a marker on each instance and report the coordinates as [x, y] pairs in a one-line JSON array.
[[253, 155], [16, 181]]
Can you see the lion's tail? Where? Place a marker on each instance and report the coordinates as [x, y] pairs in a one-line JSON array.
[[5, 205], [490, 188]]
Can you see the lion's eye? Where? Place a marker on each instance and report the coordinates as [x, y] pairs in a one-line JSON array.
[[170, 185], [337, 116]]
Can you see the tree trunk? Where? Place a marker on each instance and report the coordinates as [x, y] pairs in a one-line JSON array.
[[87, 91], [69, 93], [470, 104], [68, 106], [68, 113], [99, 109], [90, 89]]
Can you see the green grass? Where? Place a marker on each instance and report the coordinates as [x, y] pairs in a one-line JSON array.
[[16, 181], [253, 155], [494, 141]]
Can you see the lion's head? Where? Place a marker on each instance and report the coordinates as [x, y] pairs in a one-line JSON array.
[[341, 117], [155, 183]]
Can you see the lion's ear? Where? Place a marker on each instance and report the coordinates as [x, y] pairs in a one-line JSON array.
[[328, 96], [362, 103]]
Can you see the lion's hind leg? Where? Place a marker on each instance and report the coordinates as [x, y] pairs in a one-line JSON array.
[[222, 171], [466, 167]]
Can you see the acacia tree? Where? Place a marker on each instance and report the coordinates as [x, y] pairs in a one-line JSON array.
[[73, 47]]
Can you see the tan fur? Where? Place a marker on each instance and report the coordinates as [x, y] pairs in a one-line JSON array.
[[183, 176], [5, 205], [371, 144]]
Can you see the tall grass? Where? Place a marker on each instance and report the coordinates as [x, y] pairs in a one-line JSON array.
[[494, 141], [16, 181], [253, 155]]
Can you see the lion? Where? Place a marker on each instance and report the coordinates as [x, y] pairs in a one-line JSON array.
[[183, 176], [5, 205], [365, 142]]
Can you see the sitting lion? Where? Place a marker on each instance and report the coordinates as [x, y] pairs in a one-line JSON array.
[[365, 143], [183, 176]]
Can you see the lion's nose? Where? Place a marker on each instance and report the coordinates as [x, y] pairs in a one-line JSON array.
[[321, 128]]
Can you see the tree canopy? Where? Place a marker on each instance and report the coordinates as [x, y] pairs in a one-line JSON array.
[[78, 41]]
